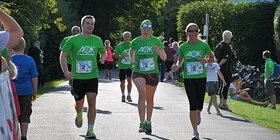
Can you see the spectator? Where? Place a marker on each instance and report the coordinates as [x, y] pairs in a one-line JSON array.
[[224, 58], [12, 34], [26, 85], [170, 52], [38, 55], [268, 80], [175, 46], [237, 93], [213, 71]]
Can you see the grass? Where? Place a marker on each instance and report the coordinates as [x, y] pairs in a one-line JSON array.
[[48, 86], [265, 117]]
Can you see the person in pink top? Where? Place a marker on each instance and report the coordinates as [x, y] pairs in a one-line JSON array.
[[109, 61]]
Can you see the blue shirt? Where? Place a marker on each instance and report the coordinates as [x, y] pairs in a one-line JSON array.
[[26, 71]]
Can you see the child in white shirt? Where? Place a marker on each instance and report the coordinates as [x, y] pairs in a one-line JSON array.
[[212, 85]]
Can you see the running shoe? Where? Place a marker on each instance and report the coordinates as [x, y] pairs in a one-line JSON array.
[[129, 98], [123, 98], [90, 134], [142, 127], [79, 120], [148, 127]]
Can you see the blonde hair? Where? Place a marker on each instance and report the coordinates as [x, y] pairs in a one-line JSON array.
[[20, 47], [12, 70]]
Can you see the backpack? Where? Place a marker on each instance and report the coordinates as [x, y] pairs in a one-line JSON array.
[[276, 72]]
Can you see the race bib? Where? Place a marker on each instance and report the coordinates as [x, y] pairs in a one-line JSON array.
[[126, 60], [83, 66], [194, 68], [146, 64]]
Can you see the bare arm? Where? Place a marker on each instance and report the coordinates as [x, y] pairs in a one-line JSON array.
[[222, 77], [161, 53], [63, 64], [103, 57], [12, 27], [132, 56], [223, 61], [35, 85]]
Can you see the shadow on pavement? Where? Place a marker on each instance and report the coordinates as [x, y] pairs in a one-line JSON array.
[[106, 112], [207, 138], [161, 138], [60, 88], [236, 119], [155, 107], [108, 81]]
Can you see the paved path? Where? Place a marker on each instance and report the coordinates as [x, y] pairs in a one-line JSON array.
[[53, 118]]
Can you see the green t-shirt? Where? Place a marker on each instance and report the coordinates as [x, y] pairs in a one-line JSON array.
[[269, 65], [192, 68], [122, 49], [145, 54], [84, 52], [4, 52], [68, 57]]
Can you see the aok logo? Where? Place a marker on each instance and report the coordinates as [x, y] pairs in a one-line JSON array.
[[125, 52], [194, 54], [146, 49], [86, 50]]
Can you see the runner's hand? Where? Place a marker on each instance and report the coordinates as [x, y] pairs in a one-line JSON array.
[[68, 75], [157, 49], [102, 60]]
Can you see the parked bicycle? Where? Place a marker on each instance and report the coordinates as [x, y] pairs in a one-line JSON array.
[[253, 78]]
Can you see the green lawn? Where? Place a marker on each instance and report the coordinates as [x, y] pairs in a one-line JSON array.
[[266, 117], [48, 86]]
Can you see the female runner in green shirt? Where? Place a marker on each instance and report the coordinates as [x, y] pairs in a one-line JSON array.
[[144, 52]]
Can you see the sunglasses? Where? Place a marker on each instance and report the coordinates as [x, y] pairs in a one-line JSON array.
[[147, 25], [192, 31]]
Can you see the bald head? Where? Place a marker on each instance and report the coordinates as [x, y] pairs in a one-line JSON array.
[[75, 30]]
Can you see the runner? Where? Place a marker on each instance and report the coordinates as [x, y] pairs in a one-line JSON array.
[[84, 71], [74, 30], [192, 54], [144, 54], [124, 65]]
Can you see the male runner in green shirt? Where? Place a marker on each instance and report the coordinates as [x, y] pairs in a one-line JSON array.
[[84, 48]]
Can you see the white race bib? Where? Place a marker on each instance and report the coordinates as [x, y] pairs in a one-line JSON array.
[[146, 64], [83, 66], [194, 68], [126, 60]]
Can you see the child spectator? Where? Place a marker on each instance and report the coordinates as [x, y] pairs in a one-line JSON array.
[[212, 85], [237, 93], [268, 80], [26, 85]]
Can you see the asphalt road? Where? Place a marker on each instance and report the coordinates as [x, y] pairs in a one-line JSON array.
[[53, 117]]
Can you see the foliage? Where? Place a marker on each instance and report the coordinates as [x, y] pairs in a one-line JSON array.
[[277, 31], [114, 17], [252, 30]]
